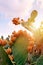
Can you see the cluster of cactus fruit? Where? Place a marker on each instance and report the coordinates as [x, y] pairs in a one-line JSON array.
[[21, 48]]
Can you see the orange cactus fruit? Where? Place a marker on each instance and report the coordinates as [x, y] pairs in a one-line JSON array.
[[4, 42], [16, 21], [10, 43], [29, 49], [13, 38], [8, 51], [31, 43], [39, 46], [15, 34], [25, 33], [30, 46], [20, 32], [11, 57], [0, 41]]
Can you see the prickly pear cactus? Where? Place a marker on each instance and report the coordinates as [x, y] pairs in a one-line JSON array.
[[36, 58], [4, 59], [28, 23], [19, 49], [16, 45]]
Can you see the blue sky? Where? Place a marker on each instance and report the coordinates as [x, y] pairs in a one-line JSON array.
[[17, 8]]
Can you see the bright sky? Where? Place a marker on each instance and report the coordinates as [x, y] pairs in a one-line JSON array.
[[17, 8]]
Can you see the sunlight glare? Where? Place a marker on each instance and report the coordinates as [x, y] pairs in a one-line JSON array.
[[36, 25]]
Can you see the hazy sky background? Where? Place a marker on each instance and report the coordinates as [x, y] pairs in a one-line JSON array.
[[17, 8]]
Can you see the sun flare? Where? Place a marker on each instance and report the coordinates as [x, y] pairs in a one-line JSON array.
[[36, 25]]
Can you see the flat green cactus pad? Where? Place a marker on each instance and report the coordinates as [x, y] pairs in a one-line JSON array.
[[26, 25], [40, 60], [19, 50], [4, 59], [35, 57]]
